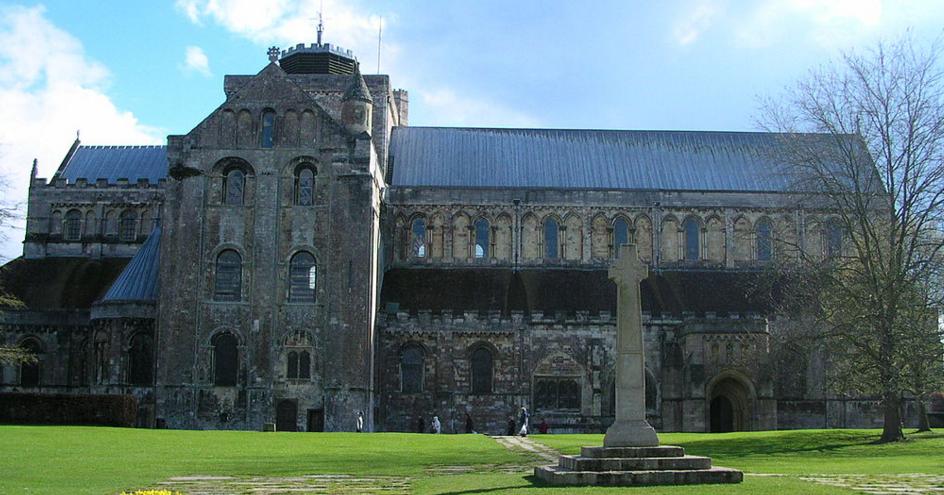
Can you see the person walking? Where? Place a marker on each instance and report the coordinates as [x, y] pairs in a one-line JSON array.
[[510, 427], [543, 427], [359, 421], [437, 426], [523, 418], [469, 425]]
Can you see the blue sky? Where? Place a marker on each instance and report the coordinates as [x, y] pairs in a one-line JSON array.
[[133, 72]]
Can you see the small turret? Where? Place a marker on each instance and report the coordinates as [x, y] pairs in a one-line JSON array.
[[357, 105]]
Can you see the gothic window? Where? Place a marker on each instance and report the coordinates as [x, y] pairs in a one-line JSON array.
[[764, 242], [551, 244], [299, 365], [833, 239], [482, 371], [305, 186], [234, 187], [411, 370], [418, 238], [692, 244], [127, 226], [620, 234], [228, 284], [303, 275], [111, 223], [556, 393], [268, 128], [304, 365], [141, 360], [225, 359], [73, 227], [30, 372], [481, 238]]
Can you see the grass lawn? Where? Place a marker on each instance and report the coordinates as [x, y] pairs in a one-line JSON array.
[[795, 451], [79, 460]]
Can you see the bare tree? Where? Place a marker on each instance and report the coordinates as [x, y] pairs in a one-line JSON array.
[[10, 212], [864, 146]]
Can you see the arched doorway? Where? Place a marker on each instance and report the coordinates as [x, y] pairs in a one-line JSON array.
[[730, 403], [286, 416]]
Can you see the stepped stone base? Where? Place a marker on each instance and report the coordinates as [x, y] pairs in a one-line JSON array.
[[635, 466]]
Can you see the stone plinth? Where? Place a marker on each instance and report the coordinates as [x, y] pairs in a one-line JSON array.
[[635, 466]]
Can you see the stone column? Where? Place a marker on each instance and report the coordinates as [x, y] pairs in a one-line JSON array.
[[630, 428]]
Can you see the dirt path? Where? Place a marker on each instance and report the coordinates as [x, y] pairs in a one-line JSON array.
[[546, 454]]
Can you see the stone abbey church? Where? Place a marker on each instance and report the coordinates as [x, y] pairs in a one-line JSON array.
[[304, 254]]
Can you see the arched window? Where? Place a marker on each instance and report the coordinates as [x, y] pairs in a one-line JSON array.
[[418, 236], [692, 238], [304, 365], [620, 234], [833, 239], [229, 267], [299, 365], [268, 128], [304, 186], [411, 370], [111, 223], [73, 227], [551, 234], [127, 226], [30, 372], [481, 238], [481, 371], [225, 360], [303, 275], [292, 371], [764, 230], [234, 187], [141, 360]]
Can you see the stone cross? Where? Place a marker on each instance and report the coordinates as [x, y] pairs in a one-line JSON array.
[[630, 428]]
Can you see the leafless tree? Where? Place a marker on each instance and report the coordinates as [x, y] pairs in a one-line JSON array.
[[10, 212], [864, 145]]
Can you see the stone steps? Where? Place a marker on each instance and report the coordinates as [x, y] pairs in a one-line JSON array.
[[688, 462], [557, 476], [635, 466]]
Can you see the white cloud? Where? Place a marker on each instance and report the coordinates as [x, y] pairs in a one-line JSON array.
[[285, 23], [195, 60], [49, 88], [690, 27], [469, 110], [830, 23]]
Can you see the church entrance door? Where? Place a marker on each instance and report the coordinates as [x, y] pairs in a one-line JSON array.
[[286, 416], [316, 420], [722, 415]]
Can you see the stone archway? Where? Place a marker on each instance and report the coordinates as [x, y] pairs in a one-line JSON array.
[[730, 403]]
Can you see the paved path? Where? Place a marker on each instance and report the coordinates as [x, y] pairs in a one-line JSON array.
[[546, 454]]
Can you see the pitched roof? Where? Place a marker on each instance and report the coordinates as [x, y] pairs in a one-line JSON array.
[[115, 162], [60, 283], [138, 281], [587, 159]]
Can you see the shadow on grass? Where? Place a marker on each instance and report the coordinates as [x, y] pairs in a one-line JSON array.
[[789, 443], [533, 480]]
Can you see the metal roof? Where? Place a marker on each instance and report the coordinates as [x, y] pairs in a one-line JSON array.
[[138, 281], [586, 159], [116, 162]]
